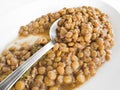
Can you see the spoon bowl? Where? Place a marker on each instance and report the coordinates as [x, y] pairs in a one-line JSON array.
[[52, 31]]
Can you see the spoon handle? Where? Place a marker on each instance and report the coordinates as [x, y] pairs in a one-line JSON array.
[[14, 76]]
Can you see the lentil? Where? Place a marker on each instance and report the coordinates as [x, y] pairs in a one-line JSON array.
[[19, 85], [83, 43]]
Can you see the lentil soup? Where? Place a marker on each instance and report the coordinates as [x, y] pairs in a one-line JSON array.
[[83, 43]]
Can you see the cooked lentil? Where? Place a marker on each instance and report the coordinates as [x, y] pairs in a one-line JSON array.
[[83, 43]]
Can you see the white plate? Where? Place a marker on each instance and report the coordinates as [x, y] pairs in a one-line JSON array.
[[108, 76]]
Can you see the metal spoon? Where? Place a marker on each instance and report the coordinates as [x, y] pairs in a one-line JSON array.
[[14, 76]]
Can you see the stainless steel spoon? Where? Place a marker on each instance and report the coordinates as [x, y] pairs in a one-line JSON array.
[[14, 76]]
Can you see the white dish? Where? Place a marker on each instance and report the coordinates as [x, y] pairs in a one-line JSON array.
[[108, 76]]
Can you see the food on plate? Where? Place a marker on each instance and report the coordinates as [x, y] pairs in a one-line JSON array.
[[83, 43]]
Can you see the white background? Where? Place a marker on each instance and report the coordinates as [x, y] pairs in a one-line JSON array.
[[6, 6]]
